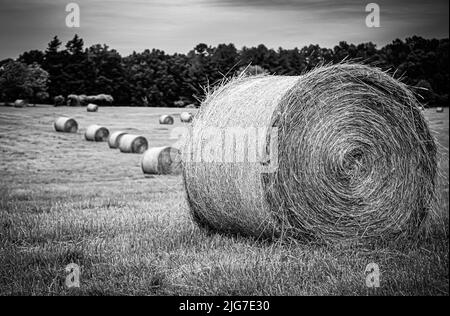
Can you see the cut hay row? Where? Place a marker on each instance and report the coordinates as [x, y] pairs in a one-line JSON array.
[[161, 161], [66, 125], [166, 120], [114, 138], [186, 117], [91, 107], [344, 153], [96, 133], [129, 143]]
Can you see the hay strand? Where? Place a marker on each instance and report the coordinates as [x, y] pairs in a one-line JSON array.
[[345, 154], [96, 133], [136, 144]]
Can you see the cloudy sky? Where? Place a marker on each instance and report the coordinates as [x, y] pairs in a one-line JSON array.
[[178, 25]]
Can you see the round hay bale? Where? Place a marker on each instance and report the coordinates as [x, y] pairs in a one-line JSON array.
[[166, 119], [66, 125], [20, 103], [92, 107], [114, 138], [59, 100], [96, 133], [73, 100], [186, 117], [133, 144], [161, 160], [439, 110], [344, 154]]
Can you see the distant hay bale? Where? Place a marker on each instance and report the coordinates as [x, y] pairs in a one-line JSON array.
[[439, 110], [66, 125], [343, 154], [114, 139], [186, 117], [166, 119], [91, 107], [73, 100], [129, 143], [20, 103], [59, 100], [96, 133], [162, 161]]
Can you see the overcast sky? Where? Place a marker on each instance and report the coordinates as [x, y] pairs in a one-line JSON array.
[[178, 25]]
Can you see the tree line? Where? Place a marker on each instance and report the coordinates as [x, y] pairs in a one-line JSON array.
[[155, 78]]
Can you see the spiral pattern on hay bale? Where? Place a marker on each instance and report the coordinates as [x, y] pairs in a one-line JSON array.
[[136, 144], [346, 154], [96, 133], [66, 125], [114, 139], [161, 161], [166, 119]]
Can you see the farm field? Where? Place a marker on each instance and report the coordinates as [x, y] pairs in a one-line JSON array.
[[65, 200]]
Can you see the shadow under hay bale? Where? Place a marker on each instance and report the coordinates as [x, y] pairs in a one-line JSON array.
[[161, 160], [66, 125], [91, 107], [96, 133], [186, 117], [136, 144], [166, 119], [344, 154], [114, 139]]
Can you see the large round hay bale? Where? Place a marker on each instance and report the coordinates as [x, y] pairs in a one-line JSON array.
[[439, 110], [114, 139], [133, 144], [344, 153], [96, 133], [66, 125], [91, 107], [20, 103], [161, 160], [166, 119], [186, 117]]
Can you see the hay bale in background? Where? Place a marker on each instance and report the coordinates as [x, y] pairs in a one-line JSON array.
[[73, 100], [129, 143], [59, 100], [96, 133], [114, 138], [186, 117], [439, 110], [161, 160], [91, 107], [166, 119], [353, 158], [66, 125], [20, 103]]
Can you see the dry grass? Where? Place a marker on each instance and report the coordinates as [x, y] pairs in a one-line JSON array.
[[133, 235]]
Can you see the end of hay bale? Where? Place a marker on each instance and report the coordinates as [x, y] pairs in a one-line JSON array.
[[166, 120], [161, 161], [135, 144], [66, 125], [96, 133], [186, 117], [91, 107], [114, 139]]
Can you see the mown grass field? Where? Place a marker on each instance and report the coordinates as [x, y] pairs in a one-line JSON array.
[[65, 200]]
